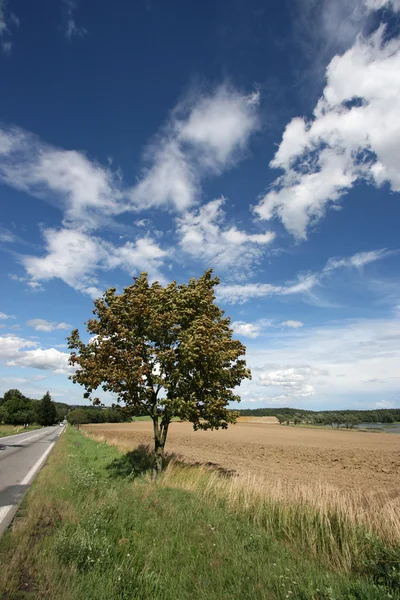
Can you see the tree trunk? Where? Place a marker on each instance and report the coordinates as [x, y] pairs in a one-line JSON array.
[[160, 435]]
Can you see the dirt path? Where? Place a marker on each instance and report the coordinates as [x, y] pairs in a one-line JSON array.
[[370, 461]]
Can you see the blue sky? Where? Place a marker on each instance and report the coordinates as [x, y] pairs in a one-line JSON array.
[[261, 139]]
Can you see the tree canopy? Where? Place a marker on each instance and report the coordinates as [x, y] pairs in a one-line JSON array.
[[163, 351]]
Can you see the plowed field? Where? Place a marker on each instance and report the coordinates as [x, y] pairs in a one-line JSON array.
[[348, 459]]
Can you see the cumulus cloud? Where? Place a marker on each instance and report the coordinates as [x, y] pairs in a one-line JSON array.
[[249, 330], [17, 352], [43, 325], [353, 135], [206, 134], [292, 324], [76, 257], [204, 236], [303, 285], [294, 381]]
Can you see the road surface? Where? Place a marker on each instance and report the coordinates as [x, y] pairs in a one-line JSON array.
[[21, 457]]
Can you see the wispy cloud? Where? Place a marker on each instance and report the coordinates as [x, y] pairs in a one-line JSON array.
[[8, 20], [350, 137], [88, 193], [205, 135], [303, 285], [71, 29], [43, 325], [205, 237]]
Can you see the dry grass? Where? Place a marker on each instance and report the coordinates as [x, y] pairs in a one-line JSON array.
[[322, 517]]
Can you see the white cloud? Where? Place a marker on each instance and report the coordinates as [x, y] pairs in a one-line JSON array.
[[10, 345], [249, 330], [353, 135], [71, 29], [305, 283], [48, 360], [205, 135], [76, 258], [43, 325], [204, 236], [293, 381], [292, 324], [377, 4], [14, 351], [4, 316]]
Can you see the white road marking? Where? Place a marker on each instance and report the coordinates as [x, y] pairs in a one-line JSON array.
[[4, 511], [36, 466]]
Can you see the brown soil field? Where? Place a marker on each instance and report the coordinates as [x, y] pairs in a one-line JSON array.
[[345, 459], [270, 420]]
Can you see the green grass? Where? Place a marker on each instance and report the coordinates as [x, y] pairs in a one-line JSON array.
[[6, 430], [88, 532]]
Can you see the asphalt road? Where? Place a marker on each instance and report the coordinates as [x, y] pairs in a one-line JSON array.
[[21, 457]]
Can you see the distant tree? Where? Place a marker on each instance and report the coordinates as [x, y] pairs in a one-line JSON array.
[[10, 395], [77, 416], [350, 420], [46, 411], [386, 417], [17, 411], [281, 419], [165, 350]]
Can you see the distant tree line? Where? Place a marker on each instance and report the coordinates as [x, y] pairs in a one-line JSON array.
[[337, 418], [17, 409], [83, 415]]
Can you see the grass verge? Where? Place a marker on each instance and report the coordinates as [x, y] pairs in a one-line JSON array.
[[6, 430], [88, 531]]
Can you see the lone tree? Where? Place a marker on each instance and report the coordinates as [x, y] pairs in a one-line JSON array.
[[163, 351], [46, 411]]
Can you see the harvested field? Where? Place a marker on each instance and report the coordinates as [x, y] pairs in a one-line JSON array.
[[344, 459]]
